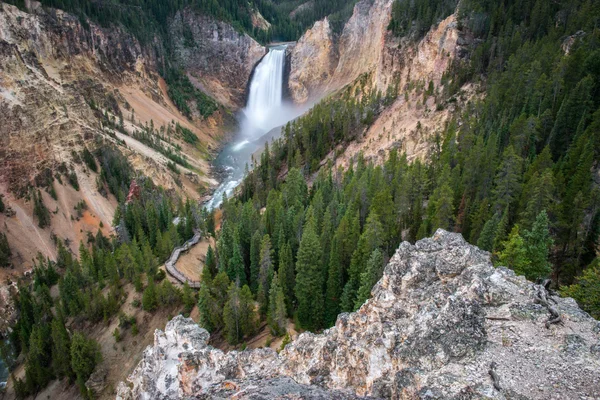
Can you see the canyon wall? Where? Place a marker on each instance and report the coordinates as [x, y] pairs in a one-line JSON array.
[[61, 80], [216, 57], [442, 322], [323, 64]]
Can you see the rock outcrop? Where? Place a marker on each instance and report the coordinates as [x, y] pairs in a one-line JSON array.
[[216, 57], [442, 323], [313, 60], [323, 63]]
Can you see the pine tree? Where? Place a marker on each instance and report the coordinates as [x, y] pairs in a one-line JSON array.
[[371, 239], [507, 181], [37, 366], [61, 349], [501, 230], [205, 309], [309, 281], [335, 284], [5, 252], [586, 289], [538, 243], [39, 210], [85, 355], [442, 198], [235, 266], [150, 296], [488, 233], [238, 313], [188, 298], [287, 280], [265, 274], [211, 262], [255, 260], [370, 277], [514, 254], [276, 316]]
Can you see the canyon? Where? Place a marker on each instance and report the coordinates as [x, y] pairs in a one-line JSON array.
[[445, 321]]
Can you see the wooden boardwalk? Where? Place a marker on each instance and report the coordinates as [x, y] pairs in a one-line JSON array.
[[170, 265]]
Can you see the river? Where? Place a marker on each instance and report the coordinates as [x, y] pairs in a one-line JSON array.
[[265, 110]]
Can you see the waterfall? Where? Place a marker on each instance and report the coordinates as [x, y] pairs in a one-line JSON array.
[[266, 92], [264, 111]]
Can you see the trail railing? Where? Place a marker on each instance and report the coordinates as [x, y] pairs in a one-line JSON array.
[[170, 264]]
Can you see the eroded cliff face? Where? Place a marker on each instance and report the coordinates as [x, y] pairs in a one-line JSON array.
[[216, 57], [391, 65], [312, 62], [335, 62], [439, 320], [60, 81]]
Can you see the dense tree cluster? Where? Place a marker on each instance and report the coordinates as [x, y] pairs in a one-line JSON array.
[[512, 172], [414, 18]]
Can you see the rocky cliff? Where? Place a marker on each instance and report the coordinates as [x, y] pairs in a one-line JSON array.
[[61, 79], [333, 61], [442, 323], [216, 57], [323, 63]]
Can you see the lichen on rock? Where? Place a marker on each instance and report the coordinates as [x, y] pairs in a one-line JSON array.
[[437, 320]]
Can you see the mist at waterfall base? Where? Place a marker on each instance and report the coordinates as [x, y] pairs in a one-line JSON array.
[[259, 122]]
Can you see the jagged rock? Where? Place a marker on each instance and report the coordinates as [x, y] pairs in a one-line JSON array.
[[437, 320]]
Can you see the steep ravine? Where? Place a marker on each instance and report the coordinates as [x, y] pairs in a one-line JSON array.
[[439, 320]]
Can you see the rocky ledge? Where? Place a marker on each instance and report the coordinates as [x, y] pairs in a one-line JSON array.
[[442, 323]]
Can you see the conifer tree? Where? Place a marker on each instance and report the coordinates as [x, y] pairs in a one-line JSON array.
[[441, 201], [85, 355], [586, 289], [236, 269], [5, 252], [205, 300], [514, 254], [39, 209], [276, 316], [265, 274], [238, 313], [61, 349], [188, 298], [501, 230], [287, 280], [335, 286], [38, 370], [255, 243], [309, 281], [210, 263], [507, 181], [488, 233], [538, 243], [371, 239], [150, 296], [369, 277]]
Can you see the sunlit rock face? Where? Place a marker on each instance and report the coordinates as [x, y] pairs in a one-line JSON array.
[[437, 320]]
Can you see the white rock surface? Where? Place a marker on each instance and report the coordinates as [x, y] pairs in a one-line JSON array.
[[440, 315]]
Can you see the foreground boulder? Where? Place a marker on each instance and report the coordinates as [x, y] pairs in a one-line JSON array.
[[442, 323]]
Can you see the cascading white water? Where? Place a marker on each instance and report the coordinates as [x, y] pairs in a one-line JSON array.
[[266, 90], [265, 110]]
